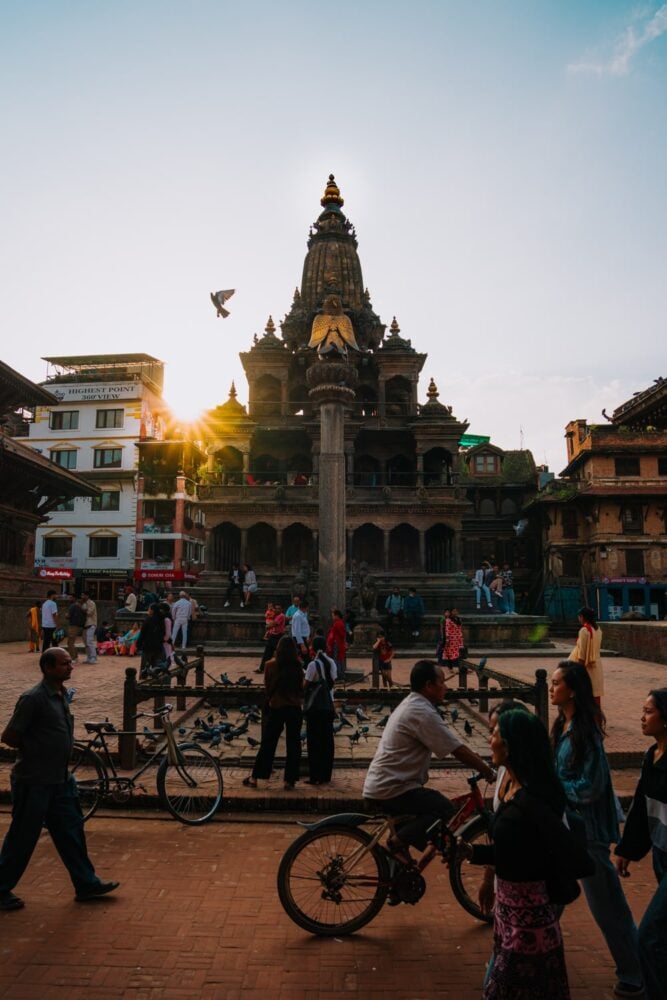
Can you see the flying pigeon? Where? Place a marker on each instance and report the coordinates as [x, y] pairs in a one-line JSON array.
[[219, 298]]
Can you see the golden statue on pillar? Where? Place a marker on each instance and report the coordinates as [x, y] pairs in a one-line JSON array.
[[332, 330]]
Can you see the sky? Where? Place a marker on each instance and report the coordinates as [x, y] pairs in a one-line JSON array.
[[504, 164]]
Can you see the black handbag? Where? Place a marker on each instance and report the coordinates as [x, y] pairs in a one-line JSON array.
[[318, 696]]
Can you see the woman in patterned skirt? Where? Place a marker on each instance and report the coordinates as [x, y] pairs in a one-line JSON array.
[[530, 846]]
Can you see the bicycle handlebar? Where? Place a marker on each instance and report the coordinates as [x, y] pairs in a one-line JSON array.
[[476, 778], [159, 713]]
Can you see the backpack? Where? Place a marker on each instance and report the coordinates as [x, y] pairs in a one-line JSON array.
[[318, 695]]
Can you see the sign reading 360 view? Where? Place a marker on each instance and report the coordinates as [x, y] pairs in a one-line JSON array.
[[92, 392]]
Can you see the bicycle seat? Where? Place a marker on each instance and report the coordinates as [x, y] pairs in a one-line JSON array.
[[99, 727]]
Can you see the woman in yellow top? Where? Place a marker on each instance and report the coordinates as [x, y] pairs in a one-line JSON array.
[[587, 650]]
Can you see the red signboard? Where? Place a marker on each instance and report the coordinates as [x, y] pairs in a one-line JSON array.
[[163, 574], [49, 573]]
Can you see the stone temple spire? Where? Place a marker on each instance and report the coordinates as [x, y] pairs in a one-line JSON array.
[[332, 267]]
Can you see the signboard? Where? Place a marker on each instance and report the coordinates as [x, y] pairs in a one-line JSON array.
[[164, 574], [120, 573], [151, 564], [48, 573], [91, 392], [640, 580], [55, 562]]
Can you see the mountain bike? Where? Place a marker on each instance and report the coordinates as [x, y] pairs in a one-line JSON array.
[[188, 778], [336, 877]]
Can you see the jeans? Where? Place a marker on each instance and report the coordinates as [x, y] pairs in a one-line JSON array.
[[509, 599], [609, 908], [276, 719], [56, 807], [181, 627], [653, 933], [426, 804], [482, 590], [91, 646], [321, 747]]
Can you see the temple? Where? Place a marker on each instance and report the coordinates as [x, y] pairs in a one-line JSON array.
[[421, 507]]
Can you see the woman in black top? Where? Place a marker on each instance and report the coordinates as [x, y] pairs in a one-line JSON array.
[[151, 639], [646, 830], [530, 847]]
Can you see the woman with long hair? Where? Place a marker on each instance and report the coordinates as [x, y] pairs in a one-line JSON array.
[[532, 851], [283, 681], [581, 764], [646, 830], [587, 650]]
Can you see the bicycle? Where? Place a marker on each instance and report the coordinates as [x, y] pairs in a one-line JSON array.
[[189, 780], [335, 878]]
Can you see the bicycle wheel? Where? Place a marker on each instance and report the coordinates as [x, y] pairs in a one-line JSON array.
[[465, 878], [328, 885], [90, 773], [190, 789]]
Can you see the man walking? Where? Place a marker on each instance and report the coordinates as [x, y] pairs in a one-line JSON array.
[[43, 791], [49, 620], [301, 628], [76, 619], [90, 627], [181, 614]]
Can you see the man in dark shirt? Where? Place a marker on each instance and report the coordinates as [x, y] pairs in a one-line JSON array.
[[43, 791]]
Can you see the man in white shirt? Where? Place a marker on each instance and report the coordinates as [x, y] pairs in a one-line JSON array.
[[49, 620], [131, 601], [399, 770], [181, 613], [90, 627], [301, 628]]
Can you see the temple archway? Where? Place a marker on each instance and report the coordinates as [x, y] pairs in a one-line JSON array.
[[367, 546], [404, 548], [367, 471], [224, 547], [398, 396], [367, 401], [400, 471], [439, 541], [262, 550], [437, 467], [297, 546]]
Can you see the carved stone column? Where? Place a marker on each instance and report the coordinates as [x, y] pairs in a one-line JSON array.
[[385, 540], [422, 551], [331, 388]]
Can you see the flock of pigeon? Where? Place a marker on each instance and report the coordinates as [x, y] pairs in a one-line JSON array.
[[217, 731]]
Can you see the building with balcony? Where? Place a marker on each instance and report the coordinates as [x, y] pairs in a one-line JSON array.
[[31, 487], [604, 520], [104, 404], [170, 538], [417, 511]]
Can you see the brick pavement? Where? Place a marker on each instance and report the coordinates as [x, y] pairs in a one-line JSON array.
[[197, 916]]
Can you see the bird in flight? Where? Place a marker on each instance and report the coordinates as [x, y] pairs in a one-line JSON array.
[[219, 298]]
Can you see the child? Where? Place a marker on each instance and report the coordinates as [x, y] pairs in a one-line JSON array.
[[384, 651]]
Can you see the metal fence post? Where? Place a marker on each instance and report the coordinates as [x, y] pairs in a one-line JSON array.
[[483, 698], [127, 746], [541, 696], [375, 674], [199, 668]]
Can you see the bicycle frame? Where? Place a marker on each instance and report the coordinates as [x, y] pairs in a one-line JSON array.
[[169, 749]]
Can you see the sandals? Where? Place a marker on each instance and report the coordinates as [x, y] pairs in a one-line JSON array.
[[249, 782]]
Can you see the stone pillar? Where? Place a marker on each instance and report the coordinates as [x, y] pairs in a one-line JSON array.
[[420, 469], [330, 387], [385, 541], [279, 548], [422, 551], [382, 400], [244, 545], [284, 397]]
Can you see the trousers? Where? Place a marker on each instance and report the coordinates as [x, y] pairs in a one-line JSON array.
[[276, 719], [320, 739], [91, 645], [182, 627], [426, 804], [653, 933], [56, 807], [608, 905]]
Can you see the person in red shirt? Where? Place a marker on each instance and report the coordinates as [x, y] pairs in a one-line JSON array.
[[336, 645], [275, 630]]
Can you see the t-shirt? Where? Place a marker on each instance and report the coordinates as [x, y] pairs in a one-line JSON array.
[[91, 613], [131, 602], [414, 732], [49, 609]]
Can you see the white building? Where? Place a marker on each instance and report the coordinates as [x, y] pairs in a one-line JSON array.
[[107, 403]]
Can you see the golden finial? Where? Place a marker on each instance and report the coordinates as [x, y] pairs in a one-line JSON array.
[[395, 329], [270, 327], [331, 194], [232, 391], [432, 392]]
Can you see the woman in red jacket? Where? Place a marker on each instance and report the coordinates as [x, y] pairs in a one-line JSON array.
[[336, 637]]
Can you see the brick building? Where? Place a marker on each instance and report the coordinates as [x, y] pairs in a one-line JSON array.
[[604, 520]]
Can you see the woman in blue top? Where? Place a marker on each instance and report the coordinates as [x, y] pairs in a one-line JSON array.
[[581, 765]]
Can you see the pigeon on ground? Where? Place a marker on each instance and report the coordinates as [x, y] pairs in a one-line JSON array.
[[455, 714], [361, 715], [467, 728]]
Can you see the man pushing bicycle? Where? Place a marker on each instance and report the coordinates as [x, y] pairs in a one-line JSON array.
[[398, 773]]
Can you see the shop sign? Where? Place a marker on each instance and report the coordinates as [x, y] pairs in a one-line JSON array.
[[53, 573], [122, 574], [160, 574], [55, 562], [150, 564], [641, 580], [90, 393]]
